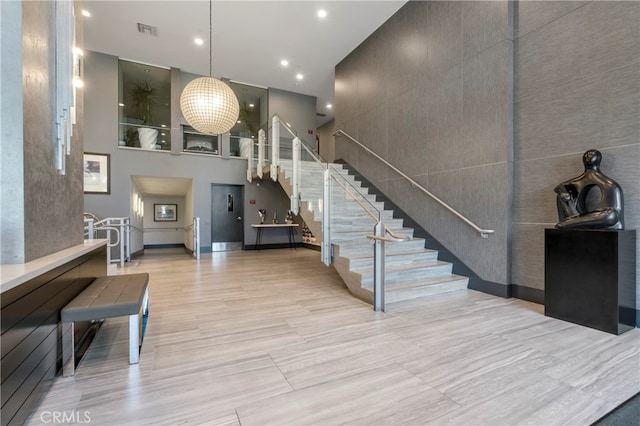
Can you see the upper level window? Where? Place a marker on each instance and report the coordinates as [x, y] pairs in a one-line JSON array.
[[253, 116], [145, 106]]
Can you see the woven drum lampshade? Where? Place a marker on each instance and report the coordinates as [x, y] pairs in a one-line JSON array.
[[209, 106]]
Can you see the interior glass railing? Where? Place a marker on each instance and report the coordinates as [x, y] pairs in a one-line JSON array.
[[349, 216]]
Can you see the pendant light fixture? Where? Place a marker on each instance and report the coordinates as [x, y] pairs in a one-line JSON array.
[[208, 104]]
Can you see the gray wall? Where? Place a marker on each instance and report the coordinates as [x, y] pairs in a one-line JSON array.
[[327, 146], [101, 118], [577, 73], [431, 92], [442, 92], [50, 204], [297, 110]]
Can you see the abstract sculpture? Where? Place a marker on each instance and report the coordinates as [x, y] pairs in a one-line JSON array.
[[577, 209]]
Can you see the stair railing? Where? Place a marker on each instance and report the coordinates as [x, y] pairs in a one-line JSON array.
[[120, 226], [381, 233], [194, 228], [261, 142], [484, 233]]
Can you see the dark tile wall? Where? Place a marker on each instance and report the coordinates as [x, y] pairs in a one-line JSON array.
[[430, 91], [490, 105], [577, 87]]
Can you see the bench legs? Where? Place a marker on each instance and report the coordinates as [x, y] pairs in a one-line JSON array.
[[68, 357], [135, 339], [135, 329]]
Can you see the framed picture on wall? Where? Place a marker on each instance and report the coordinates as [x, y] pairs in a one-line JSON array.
[[97, 178], [165, 212]]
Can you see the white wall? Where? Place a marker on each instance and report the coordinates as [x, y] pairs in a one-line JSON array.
[[160, 233], [297, 110], [135, 215]]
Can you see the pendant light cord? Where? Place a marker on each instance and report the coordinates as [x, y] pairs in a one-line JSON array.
[[210, 37]]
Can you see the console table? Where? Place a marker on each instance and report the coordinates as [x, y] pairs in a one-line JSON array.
[[290, 231]]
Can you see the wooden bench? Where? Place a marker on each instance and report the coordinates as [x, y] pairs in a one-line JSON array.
[[107, 297]]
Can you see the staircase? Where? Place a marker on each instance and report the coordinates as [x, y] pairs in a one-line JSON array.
[[411, 271]]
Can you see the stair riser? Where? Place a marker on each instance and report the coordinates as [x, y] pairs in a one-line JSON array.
[[360, 216], [349, 206], [395, 296], [364, 225], [367, 247], [318, 175], [366, 199], [409, 275], [349, 236], [405, 259]]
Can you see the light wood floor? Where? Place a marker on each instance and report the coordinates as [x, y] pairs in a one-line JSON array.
[[274, 338]]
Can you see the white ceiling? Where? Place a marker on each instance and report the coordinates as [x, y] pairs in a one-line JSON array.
[[250, 38], [166, 186]]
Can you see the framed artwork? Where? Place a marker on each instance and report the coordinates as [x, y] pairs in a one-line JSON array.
[[97, 179], [165, 212]]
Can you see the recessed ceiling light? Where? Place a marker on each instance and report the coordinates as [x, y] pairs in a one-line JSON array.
[[322, 13], [198, 41], [299, 76], [86, 13], [163, 125], [284, 63], [251, 105], [147, 70], [121, 104], [238, 121], [329, 106]]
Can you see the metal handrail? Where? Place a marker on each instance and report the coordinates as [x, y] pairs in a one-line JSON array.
[[385, 239], [370, 213], [484, 233]]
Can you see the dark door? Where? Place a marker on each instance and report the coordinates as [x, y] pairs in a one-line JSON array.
[[227, 225]]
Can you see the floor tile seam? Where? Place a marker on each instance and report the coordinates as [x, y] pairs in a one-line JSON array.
[[459, 406], [487, 399], [597, 375], [197, 369], [429, 344], [341, 377], [216, 340], [582, 389], [500, 369]]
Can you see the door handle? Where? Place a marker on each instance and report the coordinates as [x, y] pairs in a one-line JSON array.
[[239, 218]]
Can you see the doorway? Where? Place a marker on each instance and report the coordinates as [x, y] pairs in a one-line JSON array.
[[227, 218]]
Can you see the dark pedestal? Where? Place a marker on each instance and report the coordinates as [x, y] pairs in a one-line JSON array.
[[590, 278]]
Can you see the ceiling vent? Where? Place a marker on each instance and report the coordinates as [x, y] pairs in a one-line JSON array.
[[147, 29], [320, 114]]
